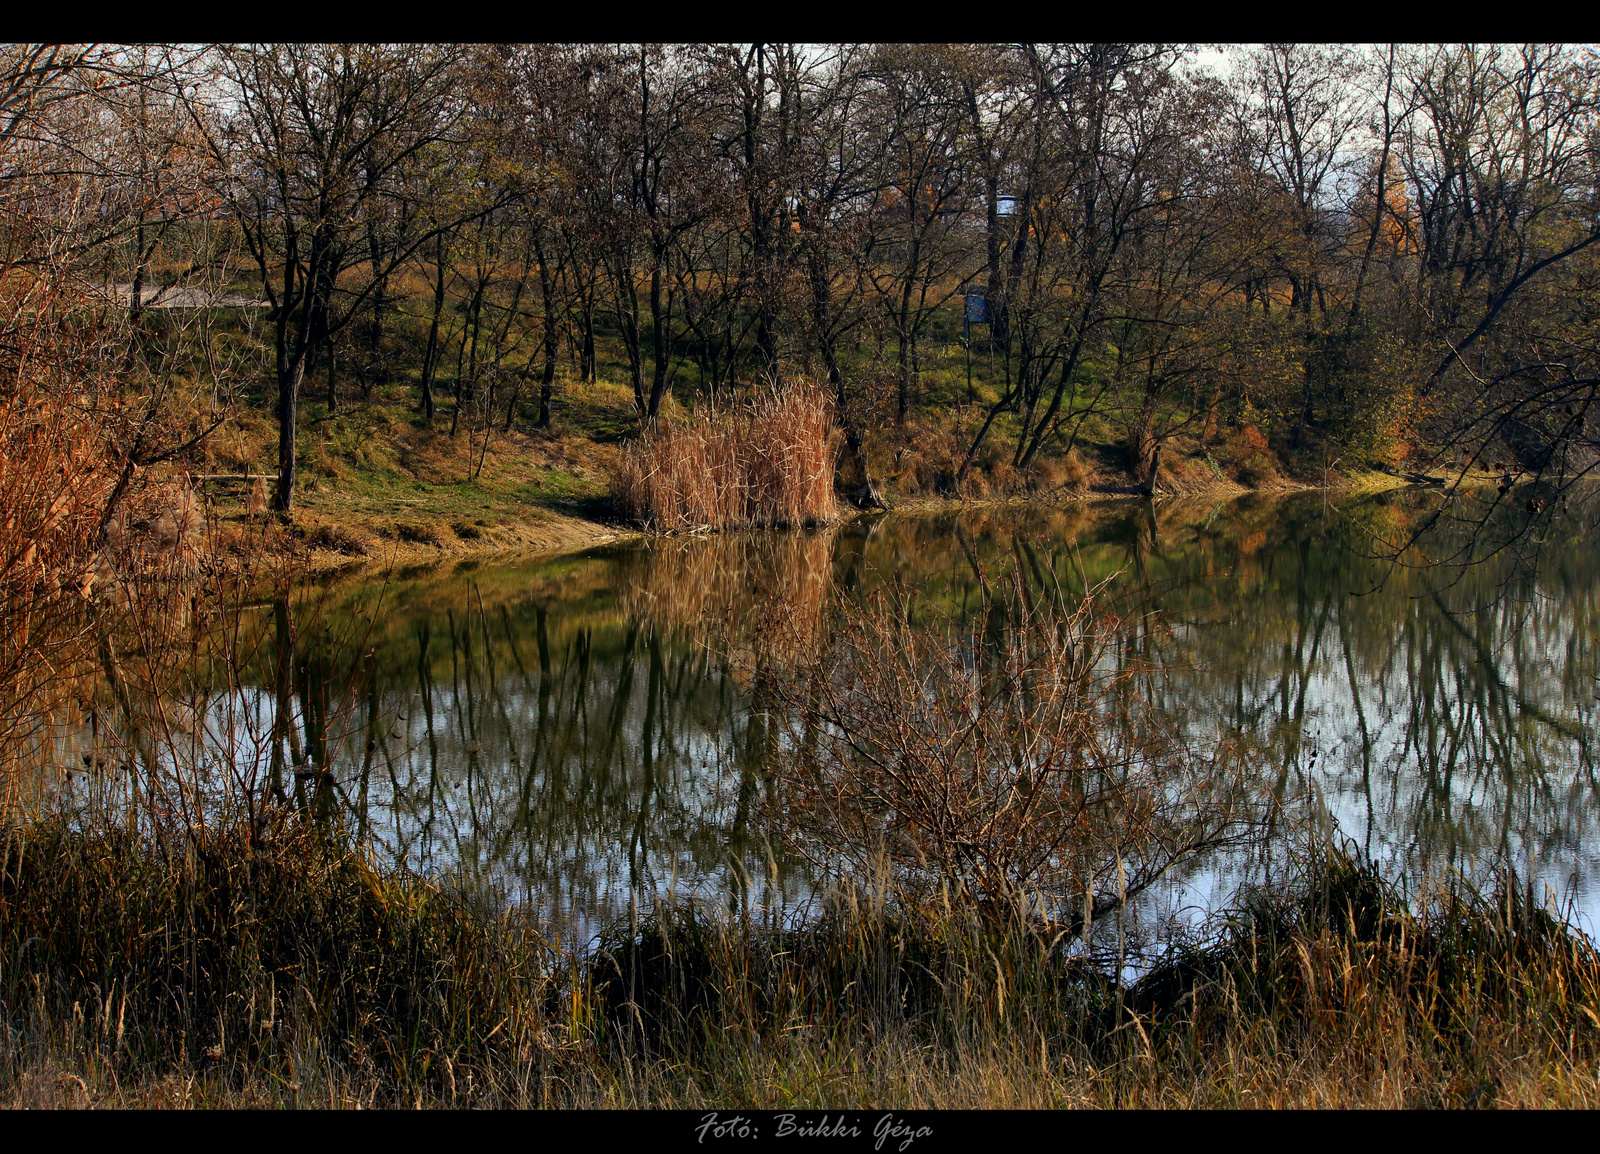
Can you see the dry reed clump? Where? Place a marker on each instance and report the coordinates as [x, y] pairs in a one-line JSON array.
[[256, 503], [1047, 475], [158, 532], [78, 533], [1004, 478], [768, 463], [928, 461], [54, 486], [419, 532], [83, 523], [1075, 472], [993, 474], [346, 539]]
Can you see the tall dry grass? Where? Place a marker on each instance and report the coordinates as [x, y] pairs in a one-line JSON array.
[[281, 969], [87, 536], [53, 493], [765, 463], [95, 411]]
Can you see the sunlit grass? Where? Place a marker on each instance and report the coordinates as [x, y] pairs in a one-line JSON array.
[[275, 967]]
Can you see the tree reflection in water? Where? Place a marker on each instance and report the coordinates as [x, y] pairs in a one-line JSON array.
[[565, 730]]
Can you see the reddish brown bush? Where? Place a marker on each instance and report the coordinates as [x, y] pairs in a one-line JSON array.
[[1252, 459]]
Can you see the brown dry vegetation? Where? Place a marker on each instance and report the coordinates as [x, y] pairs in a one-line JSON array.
[[1010, 758], [274, 968], [207, 941], [736, 588], [766, 463], [87, 528]]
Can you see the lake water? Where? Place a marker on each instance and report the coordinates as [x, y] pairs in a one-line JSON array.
[[564, 731]]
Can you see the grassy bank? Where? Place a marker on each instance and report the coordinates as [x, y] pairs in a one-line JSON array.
[[378, 486], [274, 966]]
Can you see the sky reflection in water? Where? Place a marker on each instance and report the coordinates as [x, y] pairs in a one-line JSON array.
[[563, 731]]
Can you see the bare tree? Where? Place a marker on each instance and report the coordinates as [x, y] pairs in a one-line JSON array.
[[317, 143]]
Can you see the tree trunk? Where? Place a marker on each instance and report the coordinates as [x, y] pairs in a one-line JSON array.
[[1148, 487], [430, 359], [867, 495], [288, 405], [333, 391], [547, 290], [547, 385], [380, 367], [628, 322], [136, 304], [586, 359], [661, 319], [467, 367]]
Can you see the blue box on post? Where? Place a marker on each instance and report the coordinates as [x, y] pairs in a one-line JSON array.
[[977, 306]]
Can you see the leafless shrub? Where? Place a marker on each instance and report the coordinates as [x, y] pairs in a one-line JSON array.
[[1010, 759], [96, 408]]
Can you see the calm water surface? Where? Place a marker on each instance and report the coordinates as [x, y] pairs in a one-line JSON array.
[[563, 730]]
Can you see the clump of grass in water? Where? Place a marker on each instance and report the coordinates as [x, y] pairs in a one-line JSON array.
[[1332, 992], [768, 463], [1464, 999]]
